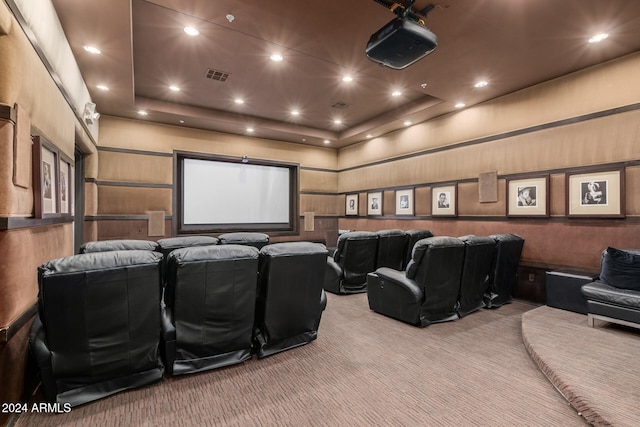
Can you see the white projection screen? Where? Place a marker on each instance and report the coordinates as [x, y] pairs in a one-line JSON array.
[[220, 195]]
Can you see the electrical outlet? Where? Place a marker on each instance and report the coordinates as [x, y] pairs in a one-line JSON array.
[[532, 277]]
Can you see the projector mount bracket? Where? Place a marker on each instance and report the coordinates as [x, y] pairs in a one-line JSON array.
[[403, 10]]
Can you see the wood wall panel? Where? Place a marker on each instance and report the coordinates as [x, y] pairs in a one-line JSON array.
[[22, 251], [321, 204], [312, 180], [389, 202], [127, 229], [557, 196], [422, 198], [90, 198], [115, 200], [469, 200], [129, 167], [14, 359], [632, 189]]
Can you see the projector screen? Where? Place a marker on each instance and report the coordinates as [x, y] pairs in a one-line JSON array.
[[223, 195]]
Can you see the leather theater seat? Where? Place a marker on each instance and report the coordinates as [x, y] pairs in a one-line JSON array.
[[119, 245], [257, 240], [97, 331], [392, 245], [290, 296], [171, 243], [478, 256], [413, 236], [355, 256], [209, 307], [503, 276], [427, 291]]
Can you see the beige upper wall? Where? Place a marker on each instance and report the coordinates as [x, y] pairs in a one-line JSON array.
[[140, 135], [602, 87]]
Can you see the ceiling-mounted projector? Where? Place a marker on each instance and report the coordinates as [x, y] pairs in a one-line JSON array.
[[400, 43]]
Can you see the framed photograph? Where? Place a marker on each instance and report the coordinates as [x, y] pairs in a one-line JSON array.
[[404, 202], [45, 178], [65, 180], [596, 194], [374, 203], [444, 200], [528, 197], [351, 207]]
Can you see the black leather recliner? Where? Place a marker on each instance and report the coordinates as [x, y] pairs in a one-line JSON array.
[[355, 256], [209, 306], [427, 292], [290, 296], [478, 256], [412, 238], [257, 240], [392, 245], [171, 243], [97, 331], [119, 245], [503, 276]]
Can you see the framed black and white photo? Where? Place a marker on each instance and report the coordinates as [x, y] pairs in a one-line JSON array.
[[596, 194], [45, 178], [65, 180], [374, 203], [528, 197], [351, 204], [444, 200], [404, 202]]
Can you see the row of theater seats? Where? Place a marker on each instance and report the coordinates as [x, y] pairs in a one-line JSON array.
[[361, 252], [114, 317], [448, 278]]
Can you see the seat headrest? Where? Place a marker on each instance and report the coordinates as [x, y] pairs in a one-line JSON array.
[[99, 261], [472, 239], [390, 233], [118, 245], [294, 248], [186, 241], [506, 237], [213, 253], [242, 237]]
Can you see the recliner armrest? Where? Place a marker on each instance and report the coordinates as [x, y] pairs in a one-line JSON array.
[[400, 280], [168, 347]]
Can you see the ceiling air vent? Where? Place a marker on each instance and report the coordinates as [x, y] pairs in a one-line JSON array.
[[218, 75], [340, 105]]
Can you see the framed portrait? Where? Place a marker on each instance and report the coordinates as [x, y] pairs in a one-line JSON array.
[[404, 202], [528, 197], [444, 200], [374, 203], [351, 204], [45, 178], [65, 181], [596, 194]]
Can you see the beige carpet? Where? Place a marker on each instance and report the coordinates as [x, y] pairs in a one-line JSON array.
[[596, 369], [364, 370]]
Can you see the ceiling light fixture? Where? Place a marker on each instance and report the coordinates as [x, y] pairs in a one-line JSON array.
[[369, 136], [276, 57], [598, 38], [347, 79], [407, 123], [460, 105], [92, 49], [396, 93], [481, 83], [295, 112], [239, 101], [423, 85], [102, 87], [337, 121], [142, 113], [326, 141], [250, 130], [191, 31], [174, 88]]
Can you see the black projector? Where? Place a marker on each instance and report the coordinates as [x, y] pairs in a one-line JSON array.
[[400, 43]]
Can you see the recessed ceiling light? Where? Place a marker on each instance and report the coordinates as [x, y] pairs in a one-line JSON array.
[[337, 121], [191, 31], [181, 121], [481, 83], [369, 135], [92, 49], [142, 113], [102, 87], [239, 101], [276, 57], [230, 17], [174, 88], [460, 105], [423, 85], [407, 123], [326, 141], [347, 79], [250, 130], [598, 38], [396, 93], [295, 112]]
